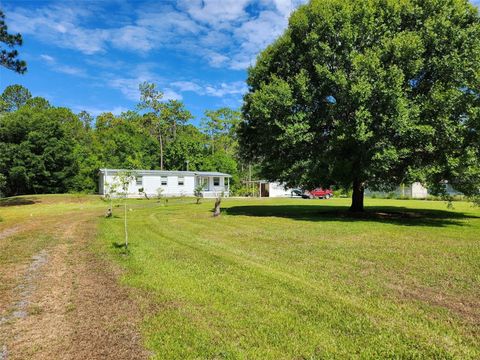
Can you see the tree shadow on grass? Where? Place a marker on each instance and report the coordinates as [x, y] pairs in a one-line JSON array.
[[16, 201], [381, 214], [110, 217]]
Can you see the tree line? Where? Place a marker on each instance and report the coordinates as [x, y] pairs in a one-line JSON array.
[[49, 149], [354, 94]]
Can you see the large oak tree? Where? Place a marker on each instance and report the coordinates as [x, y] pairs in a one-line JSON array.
[[369, 93]]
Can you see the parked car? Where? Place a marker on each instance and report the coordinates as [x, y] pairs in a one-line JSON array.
[[320, 193], [296, 193]]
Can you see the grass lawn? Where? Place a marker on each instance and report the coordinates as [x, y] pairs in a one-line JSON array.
[[301, 279]]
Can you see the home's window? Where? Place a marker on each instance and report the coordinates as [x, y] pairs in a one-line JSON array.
[[163, 180], [216, 181], [181, 181], [139, 180]]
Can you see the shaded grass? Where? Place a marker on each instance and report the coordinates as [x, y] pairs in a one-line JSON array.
[[282, 279], [384, 214], [17, 201]]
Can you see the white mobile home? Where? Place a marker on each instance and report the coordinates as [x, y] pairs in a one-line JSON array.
[[172, 183]]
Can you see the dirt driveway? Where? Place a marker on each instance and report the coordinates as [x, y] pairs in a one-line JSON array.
[[58, 300]]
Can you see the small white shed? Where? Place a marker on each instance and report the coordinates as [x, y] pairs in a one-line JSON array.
[[276, 189], [264, 188], [172, 183]]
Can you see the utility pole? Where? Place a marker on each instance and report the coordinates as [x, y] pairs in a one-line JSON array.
[[187, 161], [250, 176]]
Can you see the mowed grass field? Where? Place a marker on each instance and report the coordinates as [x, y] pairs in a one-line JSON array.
[[268, 279], [302, 279]]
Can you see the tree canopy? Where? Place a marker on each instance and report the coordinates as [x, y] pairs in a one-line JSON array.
[[46, 149], [163, 118], [36, 151], [221, 127], [369, 93], [8, 56], [14, 97]]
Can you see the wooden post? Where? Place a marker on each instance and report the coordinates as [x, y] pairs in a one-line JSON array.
[[250, 178], [126, 231]]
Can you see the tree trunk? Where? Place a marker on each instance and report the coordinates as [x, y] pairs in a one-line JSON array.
[[357, 196], [216, 209], [160, 140]]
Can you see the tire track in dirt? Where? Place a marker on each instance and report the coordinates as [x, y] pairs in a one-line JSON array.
[[72, 307], [26, 288], [14, 230], [9, 232]]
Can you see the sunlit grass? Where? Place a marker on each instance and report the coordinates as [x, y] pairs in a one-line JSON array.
[[273, 279]]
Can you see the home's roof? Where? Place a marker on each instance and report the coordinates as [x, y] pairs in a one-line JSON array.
[[167, 172], [212, 173]]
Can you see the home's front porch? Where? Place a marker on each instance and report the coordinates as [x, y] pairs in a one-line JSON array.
[[213, 185]]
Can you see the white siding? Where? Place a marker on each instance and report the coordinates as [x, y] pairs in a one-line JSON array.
[[150, 184], [151, 180], [418, 191], [173, 189]]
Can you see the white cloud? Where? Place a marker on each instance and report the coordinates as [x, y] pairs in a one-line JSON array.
[[65, 69], [187, 86], [131, 38], [215, 59], [129, 86], [70, 70], [234, 88], [49, 59], [284, 7], [165, 20], [222, 90], [225, 33], [216, 13], [101, 62], [95, 111], [169, 94], [59, 25]]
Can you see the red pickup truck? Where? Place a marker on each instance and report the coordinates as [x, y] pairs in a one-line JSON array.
[[320, 193]]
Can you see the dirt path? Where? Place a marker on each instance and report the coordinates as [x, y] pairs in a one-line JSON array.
[[69, 305]]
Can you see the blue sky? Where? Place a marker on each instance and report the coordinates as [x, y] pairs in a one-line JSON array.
[[91, 55]]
